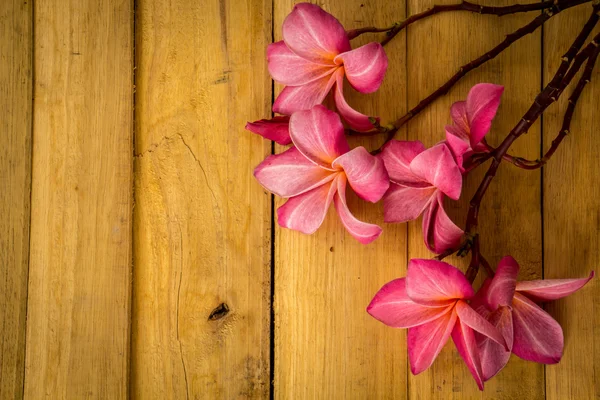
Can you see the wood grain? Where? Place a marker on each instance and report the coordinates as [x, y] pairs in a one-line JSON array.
[[572, 220], [202, 225], [510, 214], [16, 34], [80, 262], [326, 345]]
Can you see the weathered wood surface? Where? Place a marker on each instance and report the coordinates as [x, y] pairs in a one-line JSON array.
[[202, 225], [110, 273], [571, 205], [16, 34], [78, 312]]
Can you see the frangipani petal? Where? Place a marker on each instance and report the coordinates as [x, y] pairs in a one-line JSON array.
[[364, 67], [304, 97], [537, 336], [306, 212], [290, 69], [393, 307], [314, 34], [551, 289], [355, 120], [433, 282], [464, 340], [318, 133], [276, 129], [290, 173], [404, 203], [458, 145], [364, 232], [502, 286], [439, 232], [493, 355], [365, 172], [426, 341], [458, 112], [437, 166], [397, 156], [482, 103], [469, 317]]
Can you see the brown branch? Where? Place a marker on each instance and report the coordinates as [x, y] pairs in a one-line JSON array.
[[556, 8], [542, 101], [393, 30], [568, 117], [570, 65], [475, 8], [473, 269], [586, 54]]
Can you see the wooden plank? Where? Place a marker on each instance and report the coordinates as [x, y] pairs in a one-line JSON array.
[[202, 225], [510, 215], [326, 345], [572, 219], [16, 33], [80, 262]]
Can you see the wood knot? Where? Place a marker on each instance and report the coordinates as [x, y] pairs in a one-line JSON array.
[[219, 312]]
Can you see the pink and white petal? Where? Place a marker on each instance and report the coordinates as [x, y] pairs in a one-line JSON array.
[[397, 156], [426, 341], [482, 103], [290, 173], [318, 133], [276, 129], [493, 355], [439, 232], [464, 340], [306, 212], [502, 287], [365, 172], [458, 112], [355, 120], [314, 34], [458, 146], [437, 166], [364, 232], [551, 289], [364, 67], [537, 336], [433, 282], [403, 203], [290, 69], [472, 319], [303, 97], [394, 308]]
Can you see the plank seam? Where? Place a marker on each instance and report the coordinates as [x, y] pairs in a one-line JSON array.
[[28, 239]]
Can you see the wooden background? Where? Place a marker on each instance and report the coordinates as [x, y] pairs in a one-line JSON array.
[[128, 210]]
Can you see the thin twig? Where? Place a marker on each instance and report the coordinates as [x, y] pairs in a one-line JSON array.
[[556, 8], [568, 117], [479, 9], [462, 6], [571, 63], [542, 101]]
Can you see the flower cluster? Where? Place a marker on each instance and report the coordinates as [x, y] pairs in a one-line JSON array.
[[435, 300], [504, 315]]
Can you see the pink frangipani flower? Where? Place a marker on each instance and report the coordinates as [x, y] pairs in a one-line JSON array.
[[419, 180], [472, 121], [315, 55], [431, 302], [530, 332], [314, 173], [276, 129]]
